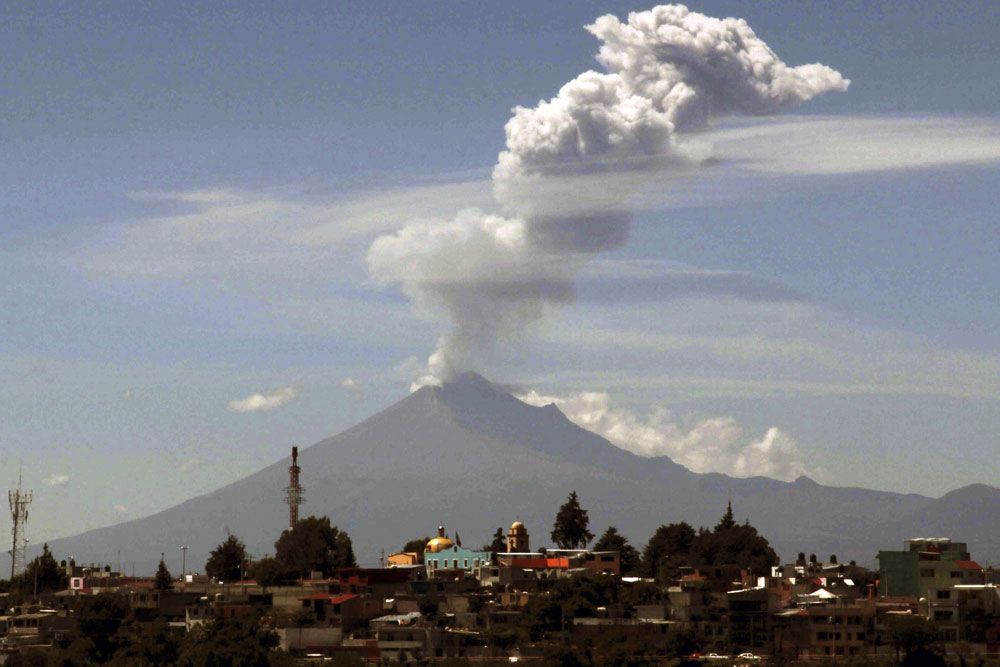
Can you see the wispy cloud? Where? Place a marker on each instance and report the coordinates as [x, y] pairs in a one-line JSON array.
[[224, 230], [232, 231], [189, 464], [716, 444], [263, 402], [857, 144], [56, 479], [740, 348], [353, 386]]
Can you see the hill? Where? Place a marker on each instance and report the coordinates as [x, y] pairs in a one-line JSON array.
[[474, 457]]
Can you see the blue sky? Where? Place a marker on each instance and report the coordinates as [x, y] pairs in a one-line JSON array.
[[188, 196]]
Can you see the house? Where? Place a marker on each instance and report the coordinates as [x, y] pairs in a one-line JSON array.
[[403, 558], [348, 610]]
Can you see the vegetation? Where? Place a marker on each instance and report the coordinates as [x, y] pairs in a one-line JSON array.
[[667, 550], [314, 545], [417, 546], [237, 641], [498, 544], [612, 540], [42, 575], [571, 529], [228, 561], [164, 580], [678, 545]]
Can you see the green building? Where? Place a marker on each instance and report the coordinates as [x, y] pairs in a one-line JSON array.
[[926, 564]]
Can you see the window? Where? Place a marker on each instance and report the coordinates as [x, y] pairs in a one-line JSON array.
[[956, 575], [466, 563], [607, 559], [944, 595]]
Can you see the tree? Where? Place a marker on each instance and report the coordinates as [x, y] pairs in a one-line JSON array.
[[668, 549], [238, 641], [417, 546], [499, 543], [268, 572], [612, 540], [228, 561], [45, 573], [150, 644], [727, 521], [164, 580], [313, 544], [733, 544], [570, 530], [98, 620], [912, 634]]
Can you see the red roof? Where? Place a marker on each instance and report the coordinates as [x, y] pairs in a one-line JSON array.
[[969, 565], [541, 563]]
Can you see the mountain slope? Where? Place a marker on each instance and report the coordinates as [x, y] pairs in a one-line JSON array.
[[473, 457]]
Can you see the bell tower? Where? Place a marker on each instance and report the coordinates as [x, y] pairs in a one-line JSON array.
[[517, 538]]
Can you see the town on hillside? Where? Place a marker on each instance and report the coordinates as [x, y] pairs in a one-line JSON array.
[[715, 595]]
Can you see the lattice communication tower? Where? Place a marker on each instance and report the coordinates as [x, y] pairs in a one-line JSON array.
[[294, 493], [19, 501]]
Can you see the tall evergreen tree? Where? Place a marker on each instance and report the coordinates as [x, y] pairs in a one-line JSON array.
[[571, 529], [164, 580], [499, 543], [727, 521]]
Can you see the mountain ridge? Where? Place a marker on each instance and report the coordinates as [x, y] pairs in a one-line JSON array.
[[470, 454]]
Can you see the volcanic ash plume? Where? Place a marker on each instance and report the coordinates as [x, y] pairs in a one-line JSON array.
[[571, 164]]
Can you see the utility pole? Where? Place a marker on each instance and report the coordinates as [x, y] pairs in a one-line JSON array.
[[294, 493], [184, 555], [19, 501]]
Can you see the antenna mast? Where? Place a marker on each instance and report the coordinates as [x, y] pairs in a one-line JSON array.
[[294, 493], [19, 501]]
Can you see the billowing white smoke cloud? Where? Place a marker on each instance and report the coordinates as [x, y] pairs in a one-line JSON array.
[[482, 268], [669, 70], [717, 444]]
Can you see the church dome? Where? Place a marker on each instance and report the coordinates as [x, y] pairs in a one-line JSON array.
[[439, 544], [517, 527]]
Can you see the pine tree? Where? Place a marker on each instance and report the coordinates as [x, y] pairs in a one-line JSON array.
[[164, 580], [498, 544], [570, 530], [727, 521]]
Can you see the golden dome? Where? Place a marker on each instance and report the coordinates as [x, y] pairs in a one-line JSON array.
[[517, 527], [439, 544]]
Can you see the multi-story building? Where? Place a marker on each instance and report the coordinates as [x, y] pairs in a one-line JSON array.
[[924, 566], [822, 630]]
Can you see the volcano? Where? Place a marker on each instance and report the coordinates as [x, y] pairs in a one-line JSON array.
[[470, 455]]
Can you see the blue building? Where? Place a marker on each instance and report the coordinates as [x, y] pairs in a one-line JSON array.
[[442, 553]]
